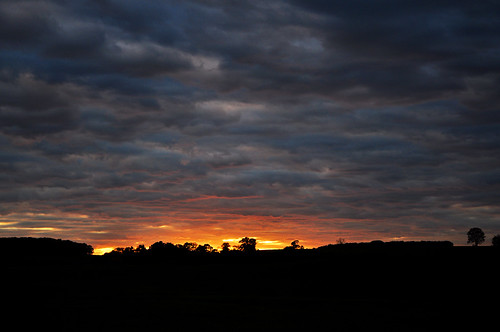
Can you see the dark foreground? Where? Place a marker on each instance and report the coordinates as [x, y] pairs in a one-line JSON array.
[[445, 289]]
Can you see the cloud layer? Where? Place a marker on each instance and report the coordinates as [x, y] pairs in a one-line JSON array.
[[122, 121]]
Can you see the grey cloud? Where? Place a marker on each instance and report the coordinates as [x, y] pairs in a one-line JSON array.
[[51, 121], [32, 107], [28, 93], [24, 22], [79, 43]]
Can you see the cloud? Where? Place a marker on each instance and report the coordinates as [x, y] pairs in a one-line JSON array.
[[306, 119]]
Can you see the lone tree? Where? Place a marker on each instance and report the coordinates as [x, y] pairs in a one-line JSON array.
[[496, 241], [294, 245], [247, 244], [475, 236]]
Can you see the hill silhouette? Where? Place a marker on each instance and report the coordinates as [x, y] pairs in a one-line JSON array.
[[389, 286], [15, 247]]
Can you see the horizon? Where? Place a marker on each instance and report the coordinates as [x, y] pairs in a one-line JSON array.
[[125, 123], [234, 244]]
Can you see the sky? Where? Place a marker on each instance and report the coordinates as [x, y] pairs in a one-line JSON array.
[[129, 122]]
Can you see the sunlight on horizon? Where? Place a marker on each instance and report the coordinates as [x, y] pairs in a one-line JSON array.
[[102, 251], [234, 242]]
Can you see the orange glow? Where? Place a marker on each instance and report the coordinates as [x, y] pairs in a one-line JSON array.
[[102, 251], [211, 226]]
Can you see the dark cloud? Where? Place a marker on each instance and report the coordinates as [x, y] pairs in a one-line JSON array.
[[25, 23], [314, 119]]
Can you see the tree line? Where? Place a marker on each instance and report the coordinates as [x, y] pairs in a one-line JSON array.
[[246, 245], [38, 247], [475, 236]]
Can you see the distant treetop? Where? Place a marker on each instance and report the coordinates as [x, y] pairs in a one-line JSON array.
[[475, 236], [294, 245], [495, 241], [248, 245]]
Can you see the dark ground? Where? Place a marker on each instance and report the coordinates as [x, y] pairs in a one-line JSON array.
[[446, 289]]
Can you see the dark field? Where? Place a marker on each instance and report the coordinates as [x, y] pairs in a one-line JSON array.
[[446, 289]]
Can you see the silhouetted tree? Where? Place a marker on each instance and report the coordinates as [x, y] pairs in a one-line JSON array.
[[127, 251], [190, 246], [225, 247], [496, 241], [294, 245], [247, 244], [160, 249], [206, 248], [341, 240], [475, 236], [157, 246], [140, 250]]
